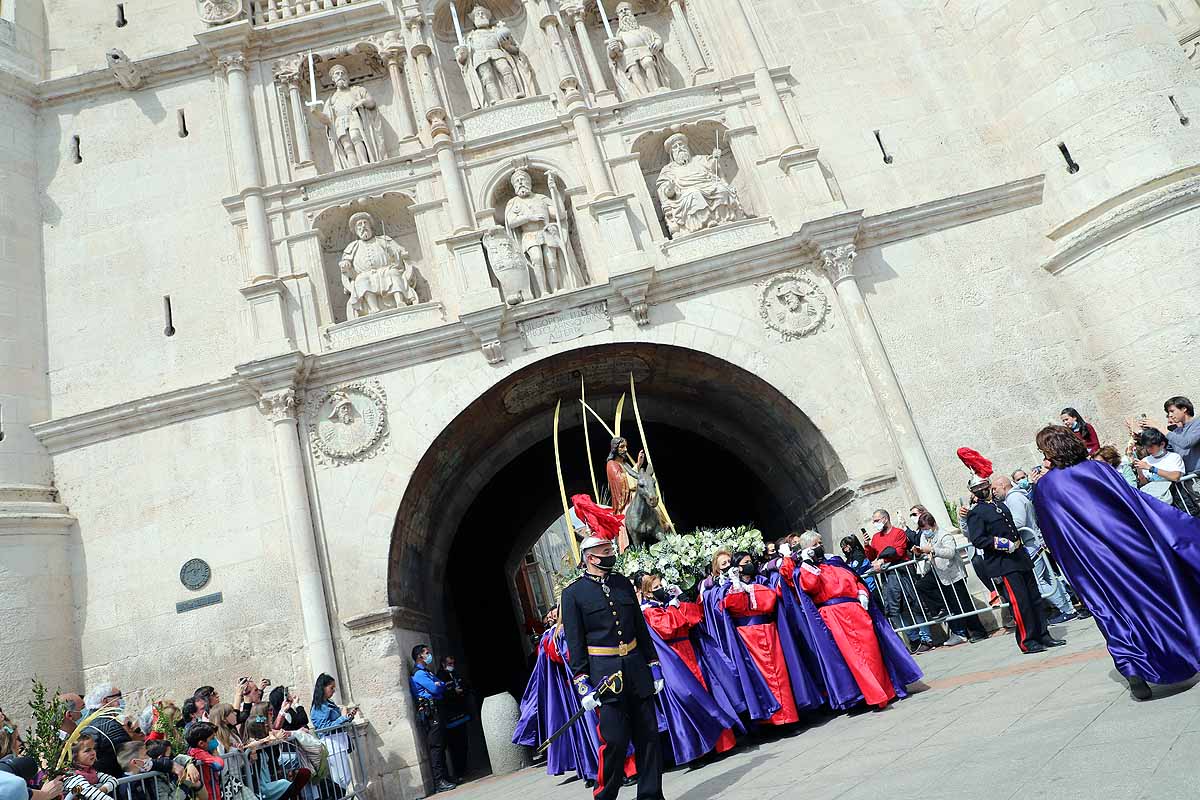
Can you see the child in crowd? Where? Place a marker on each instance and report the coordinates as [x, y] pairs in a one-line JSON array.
[[83, 780], [202, 746], [257, 733]]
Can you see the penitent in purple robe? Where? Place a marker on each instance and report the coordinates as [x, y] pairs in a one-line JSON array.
[[1135, 562], [548, 702]]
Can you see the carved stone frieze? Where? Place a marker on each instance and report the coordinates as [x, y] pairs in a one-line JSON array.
[[732, 236], [385, 325], [510, 116], [792, 305], [564, 326], [347, 422]]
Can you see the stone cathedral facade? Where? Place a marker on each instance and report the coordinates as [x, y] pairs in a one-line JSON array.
[[285, 283]]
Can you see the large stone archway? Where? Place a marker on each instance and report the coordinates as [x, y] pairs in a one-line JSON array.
[[725, 437]]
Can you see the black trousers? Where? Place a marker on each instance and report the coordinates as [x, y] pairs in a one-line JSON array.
[[456, 743], [1026, 600], [622, 719], [435, 740], [959, 601]]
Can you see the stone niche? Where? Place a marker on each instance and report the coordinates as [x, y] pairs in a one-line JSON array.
[[392, 217], [503, 192], [683, 57], [365, 64], [702, 137], [525, 33]]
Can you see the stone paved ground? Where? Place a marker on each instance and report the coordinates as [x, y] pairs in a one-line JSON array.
[[994, 724]]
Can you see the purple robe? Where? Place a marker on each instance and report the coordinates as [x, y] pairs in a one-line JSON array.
[[1135, 562], [687, 713], [548, 702]]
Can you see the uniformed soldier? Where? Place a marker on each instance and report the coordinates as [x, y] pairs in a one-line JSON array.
[[606, 633], [991, 529]]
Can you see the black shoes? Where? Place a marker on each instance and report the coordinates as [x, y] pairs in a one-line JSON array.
[[1138, 689], [630, 781], [978, 637], [922, 647], [1050, 641], [1083, 613], [1034, 647], [445, 786], [589, 783]]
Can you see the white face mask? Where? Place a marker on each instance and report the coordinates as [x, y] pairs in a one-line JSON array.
[[450, 668], [879, 526]]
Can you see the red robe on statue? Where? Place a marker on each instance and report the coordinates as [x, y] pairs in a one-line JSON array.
[[755, 623], [835, 592], [673, 624]]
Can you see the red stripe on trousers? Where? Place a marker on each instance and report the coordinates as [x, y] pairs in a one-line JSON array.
[[600, 765], [1016, 612]]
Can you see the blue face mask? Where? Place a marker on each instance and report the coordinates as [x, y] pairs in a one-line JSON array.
[[1024, 483], [213, 745], [427, 658], [1075, 425], [260, 720]]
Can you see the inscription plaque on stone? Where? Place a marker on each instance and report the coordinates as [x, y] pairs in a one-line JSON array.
[[565, 325], [198, 602]]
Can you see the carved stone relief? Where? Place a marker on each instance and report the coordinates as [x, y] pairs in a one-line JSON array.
[[347, 423], [493, 67], [219, 12], [792, 305]]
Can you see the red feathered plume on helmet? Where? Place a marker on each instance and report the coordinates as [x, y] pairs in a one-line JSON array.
[[602, 521], [975, 462]]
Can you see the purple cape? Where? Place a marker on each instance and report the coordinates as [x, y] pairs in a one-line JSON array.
[[548, 702], [753, 692], [1135, 562], [801, 624], [691, 718]]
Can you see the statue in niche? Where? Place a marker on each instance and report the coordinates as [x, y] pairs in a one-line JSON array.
[[493, 67], [375, 273], [538, 224], [692, 192], [351, 122], [635, 53]]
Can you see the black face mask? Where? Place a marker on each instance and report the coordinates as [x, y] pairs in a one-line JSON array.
[[749, 570], [607, 563], [660, 594], [818, 553], [982, 494]]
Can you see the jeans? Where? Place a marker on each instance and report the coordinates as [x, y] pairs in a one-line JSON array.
[[1050, 586], [901, 606]]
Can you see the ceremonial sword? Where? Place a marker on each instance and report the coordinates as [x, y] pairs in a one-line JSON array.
[[613, 683]]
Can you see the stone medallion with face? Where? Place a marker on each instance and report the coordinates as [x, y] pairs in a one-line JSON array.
[[792, 305], [347, 422]]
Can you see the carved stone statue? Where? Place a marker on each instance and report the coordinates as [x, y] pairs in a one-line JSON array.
[[693, 194], [352, 124], [374, 271], [537, 222], [493, 67], [636, 56], [510, 267]]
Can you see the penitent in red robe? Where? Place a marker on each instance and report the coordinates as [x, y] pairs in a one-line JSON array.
[[755, 623], [673, 624], [835, 592]]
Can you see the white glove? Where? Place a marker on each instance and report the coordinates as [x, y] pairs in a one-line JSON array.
[[674, 602], [590, 702], [864, 600], [658, 685], [808, 554]]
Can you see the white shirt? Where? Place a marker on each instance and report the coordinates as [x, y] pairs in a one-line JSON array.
[[1158, 486]]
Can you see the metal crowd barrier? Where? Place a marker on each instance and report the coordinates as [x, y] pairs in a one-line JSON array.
[[341, 774], [951, 607]]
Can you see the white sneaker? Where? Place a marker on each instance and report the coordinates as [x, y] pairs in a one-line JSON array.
[[953, 639]]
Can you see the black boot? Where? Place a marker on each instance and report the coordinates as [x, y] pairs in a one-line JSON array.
[[1050, 641], [1138, 689]]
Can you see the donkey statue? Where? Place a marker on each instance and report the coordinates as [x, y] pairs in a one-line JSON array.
[[643, 521]]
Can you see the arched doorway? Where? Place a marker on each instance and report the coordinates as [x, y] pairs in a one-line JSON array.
[[729, 448]]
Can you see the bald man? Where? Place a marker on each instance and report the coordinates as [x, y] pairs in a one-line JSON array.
[[1050, 586]]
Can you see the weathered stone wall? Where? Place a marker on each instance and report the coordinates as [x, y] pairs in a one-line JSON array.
[[80, 31]]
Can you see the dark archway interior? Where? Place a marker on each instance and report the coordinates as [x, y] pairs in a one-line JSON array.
[[703, 483]]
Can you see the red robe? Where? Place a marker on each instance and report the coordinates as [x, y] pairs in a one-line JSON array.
[[850, 624], [762, 643], [673, 624]]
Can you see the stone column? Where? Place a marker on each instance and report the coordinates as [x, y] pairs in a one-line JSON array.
[[780, 124], [291, 80], [568, 86], [248, 166], [577, 19], [439, 129], [394, 57], [687, 36], [280, 408], [839, 264]]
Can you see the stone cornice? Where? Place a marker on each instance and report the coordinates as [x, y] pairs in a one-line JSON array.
[[1145, 206], [847, 493], [146, 413], [386, 619], [950, 212]]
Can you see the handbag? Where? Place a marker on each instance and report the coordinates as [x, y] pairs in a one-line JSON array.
[[312, 751]]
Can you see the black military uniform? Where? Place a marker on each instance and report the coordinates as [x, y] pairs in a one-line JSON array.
[[1012, 571], [606, 633]]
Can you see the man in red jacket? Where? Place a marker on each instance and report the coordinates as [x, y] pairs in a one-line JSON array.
[[886, 546]]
